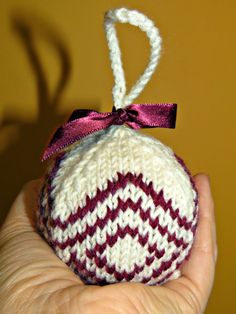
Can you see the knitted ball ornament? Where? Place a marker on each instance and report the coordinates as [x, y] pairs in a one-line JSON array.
[[119, 205]]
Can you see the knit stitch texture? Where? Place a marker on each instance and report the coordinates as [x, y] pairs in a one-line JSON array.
[[119, 206]]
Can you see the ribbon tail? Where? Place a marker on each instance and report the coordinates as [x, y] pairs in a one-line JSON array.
[[74, 131]]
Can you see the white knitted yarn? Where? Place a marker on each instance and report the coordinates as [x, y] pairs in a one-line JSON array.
[[88, 167], [135, 18], [118, 181]]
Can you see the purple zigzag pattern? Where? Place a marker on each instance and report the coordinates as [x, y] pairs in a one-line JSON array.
[[112, 187], [102, 261], [111, 215], [90, 206], [89, 275]]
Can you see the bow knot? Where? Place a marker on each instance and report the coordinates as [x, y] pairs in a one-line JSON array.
[[122, 116]]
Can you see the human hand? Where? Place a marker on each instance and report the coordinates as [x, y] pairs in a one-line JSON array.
[[34, 280]]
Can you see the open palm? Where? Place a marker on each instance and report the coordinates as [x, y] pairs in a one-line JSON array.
[[34, 280]]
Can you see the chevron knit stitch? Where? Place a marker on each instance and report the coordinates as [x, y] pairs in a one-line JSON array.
[[120, 205], [117, 211]]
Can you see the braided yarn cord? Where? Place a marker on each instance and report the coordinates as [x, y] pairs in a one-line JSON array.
[[120, 205]]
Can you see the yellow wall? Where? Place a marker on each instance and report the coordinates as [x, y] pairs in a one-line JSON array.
[[54, 58]]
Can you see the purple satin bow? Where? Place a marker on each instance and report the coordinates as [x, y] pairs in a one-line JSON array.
[[83, 122]]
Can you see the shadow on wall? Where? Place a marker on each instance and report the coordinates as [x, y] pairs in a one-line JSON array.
[[20, 161]]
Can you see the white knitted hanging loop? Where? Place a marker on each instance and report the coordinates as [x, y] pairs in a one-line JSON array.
[[133, 17]]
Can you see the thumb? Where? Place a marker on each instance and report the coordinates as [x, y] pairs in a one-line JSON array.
[[21, 247]]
